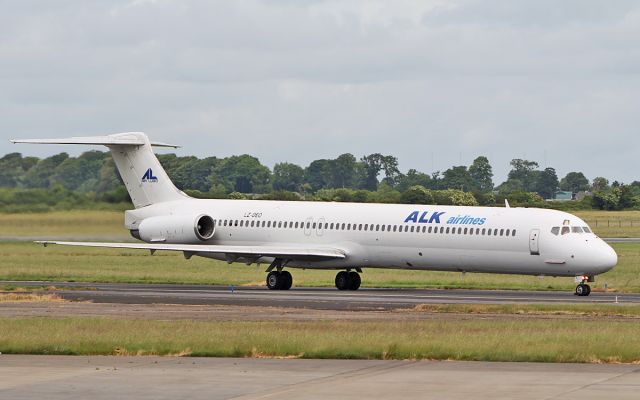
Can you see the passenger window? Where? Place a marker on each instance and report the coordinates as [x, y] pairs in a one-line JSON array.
[[308, 225], [555, 230], [460, 231], [413, 228], [576, 229], [331, 226], [586, 230], [507, 232], [501, 232], [430, 229], [365, 226], [565, 230], [442, 229], [513, 233], [394, 228], [241, 223], [424, 229], [447, 229], [484, 230]]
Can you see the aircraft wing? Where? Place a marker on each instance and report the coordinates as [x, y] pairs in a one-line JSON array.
[[231, 252]]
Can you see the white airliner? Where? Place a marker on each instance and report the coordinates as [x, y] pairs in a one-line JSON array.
[[344, 236]]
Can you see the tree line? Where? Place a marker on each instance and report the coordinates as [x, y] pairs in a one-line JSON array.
[[93, 178]]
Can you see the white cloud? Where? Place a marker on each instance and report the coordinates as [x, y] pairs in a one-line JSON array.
[[432, 82]]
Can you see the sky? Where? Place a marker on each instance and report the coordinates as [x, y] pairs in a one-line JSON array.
[[434, 83]]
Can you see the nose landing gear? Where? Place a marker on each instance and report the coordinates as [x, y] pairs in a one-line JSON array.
[[583, 289]]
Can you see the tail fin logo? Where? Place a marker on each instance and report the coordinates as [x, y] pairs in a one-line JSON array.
[[148, 176]]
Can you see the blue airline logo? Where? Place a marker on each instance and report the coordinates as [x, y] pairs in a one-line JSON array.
[[425, 217], [148, 176]]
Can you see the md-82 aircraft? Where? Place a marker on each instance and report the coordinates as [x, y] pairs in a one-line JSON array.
[[346, 237]]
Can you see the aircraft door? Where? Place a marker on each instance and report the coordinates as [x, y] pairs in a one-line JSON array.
[[533, 242]]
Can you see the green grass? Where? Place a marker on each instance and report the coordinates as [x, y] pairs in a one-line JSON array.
[[538, 340], [612, 223], [27, 261], [590, 310], [64, 223]]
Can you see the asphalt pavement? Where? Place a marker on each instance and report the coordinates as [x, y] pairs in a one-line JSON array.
[[314, 298]]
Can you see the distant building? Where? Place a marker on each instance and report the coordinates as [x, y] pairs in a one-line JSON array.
[[564, 196]]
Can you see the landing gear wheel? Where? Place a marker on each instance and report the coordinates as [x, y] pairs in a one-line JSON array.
[[342, 280], [279, 280], [583, 290], [355, 280], [273, 280], [287, 280]]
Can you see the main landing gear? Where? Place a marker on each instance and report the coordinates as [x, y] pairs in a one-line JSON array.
[[348, 280], [279, 280]]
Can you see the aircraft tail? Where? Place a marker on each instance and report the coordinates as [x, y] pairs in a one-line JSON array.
[[145, 179]]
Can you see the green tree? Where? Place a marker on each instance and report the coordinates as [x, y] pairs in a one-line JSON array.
[[243, 174], [547, 183], [413, 178], [343, 171], [457, 178], [371, 166], [574, 182], [81, 173], [13, 169], [481, 174], [287, 176], [318, 175], [416, 195], [39, 175], [599, 184], [525, 172]]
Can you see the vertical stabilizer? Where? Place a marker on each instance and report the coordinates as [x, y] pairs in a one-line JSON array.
[[145, 179]]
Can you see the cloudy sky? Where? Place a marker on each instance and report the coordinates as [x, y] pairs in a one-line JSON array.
[[435, 83]]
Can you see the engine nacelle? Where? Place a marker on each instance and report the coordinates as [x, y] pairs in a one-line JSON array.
[[176, 229]]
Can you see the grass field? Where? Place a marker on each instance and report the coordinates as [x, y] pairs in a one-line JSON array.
[[541, 340], [26, 261]]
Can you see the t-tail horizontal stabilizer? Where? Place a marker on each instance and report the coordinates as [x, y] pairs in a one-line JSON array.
[[141, 172]]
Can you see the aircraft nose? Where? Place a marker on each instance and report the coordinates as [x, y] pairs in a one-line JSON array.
[[607, 257]]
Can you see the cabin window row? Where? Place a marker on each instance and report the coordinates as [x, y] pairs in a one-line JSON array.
[[370, 227]]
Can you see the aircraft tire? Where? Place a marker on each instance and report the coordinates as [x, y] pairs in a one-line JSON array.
[[342, 280], [287, 280], [274, 280], [354, 280], [583, 290]]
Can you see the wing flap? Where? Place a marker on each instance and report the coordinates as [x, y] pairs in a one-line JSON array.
[[253, 251]]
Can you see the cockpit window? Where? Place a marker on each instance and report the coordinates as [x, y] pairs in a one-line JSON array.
[[576, 229], [555, 230], [586, 229], [565, 230]]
